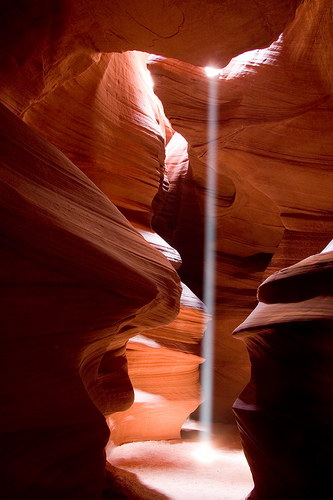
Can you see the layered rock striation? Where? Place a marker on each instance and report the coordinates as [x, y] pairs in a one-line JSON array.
[[163, 367], [285, 413], [111, 125], [275, 178], [46, 42], [72, 265], [114, 129], [79, 280]]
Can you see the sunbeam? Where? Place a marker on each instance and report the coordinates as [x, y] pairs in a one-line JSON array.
[[210, 257]]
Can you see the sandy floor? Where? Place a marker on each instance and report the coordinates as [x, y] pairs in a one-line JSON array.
[[177, 471]]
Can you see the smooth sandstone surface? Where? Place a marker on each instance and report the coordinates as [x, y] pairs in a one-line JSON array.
[[114, 129], [290, 391], [274, 147], [109, 122], [79, 280], [45, 43], [71, 267]]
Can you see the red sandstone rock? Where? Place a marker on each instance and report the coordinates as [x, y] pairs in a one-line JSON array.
[[248, 224], [113, 129], [285, 413], [72, 265], [176, 207], [274, 143], [160, 244], [44, 43], [163, 368], [66, 232], [111, 125]]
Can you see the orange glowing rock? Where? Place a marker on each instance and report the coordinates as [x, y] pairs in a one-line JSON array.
[[43, 46], [275, 177], [163, 368], [79, 280]]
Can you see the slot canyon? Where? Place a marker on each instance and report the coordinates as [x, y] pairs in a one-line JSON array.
[[104, 158]]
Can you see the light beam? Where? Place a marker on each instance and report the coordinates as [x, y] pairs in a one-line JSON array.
[[207, 380], [211, 72]]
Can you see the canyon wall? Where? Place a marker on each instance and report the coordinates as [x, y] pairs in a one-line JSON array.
[[47, 42], [114, 129], [285, 413], [95, 163], [71, 267], [109, 120], [275, 179]]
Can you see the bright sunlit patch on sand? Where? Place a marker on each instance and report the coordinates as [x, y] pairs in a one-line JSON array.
[[211, 72], [170, 469], [206, 453]]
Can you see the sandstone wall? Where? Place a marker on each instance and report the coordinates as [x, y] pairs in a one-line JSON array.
[[285, 412], [274, 143], [79, 280]]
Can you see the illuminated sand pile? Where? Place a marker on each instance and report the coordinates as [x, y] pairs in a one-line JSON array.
[[182, 470]]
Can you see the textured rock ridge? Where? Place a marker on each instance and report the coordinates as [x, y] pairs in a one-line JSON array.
[[274, 142], [114, 129], [71, 267], [111, 125], [88, 292], [46, 42], [163, 368], [285, 413]]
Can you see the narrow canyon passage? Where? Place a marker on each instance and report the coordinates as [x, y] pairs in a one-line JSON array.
[[166, 218]]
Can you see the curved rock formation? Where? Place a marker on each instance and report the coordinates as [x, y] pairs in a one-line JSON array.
[[114, 129], [111, 125], [274, 142], [46, 42], [79, 280], [285, 413], [163, 368], [71, 267]]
